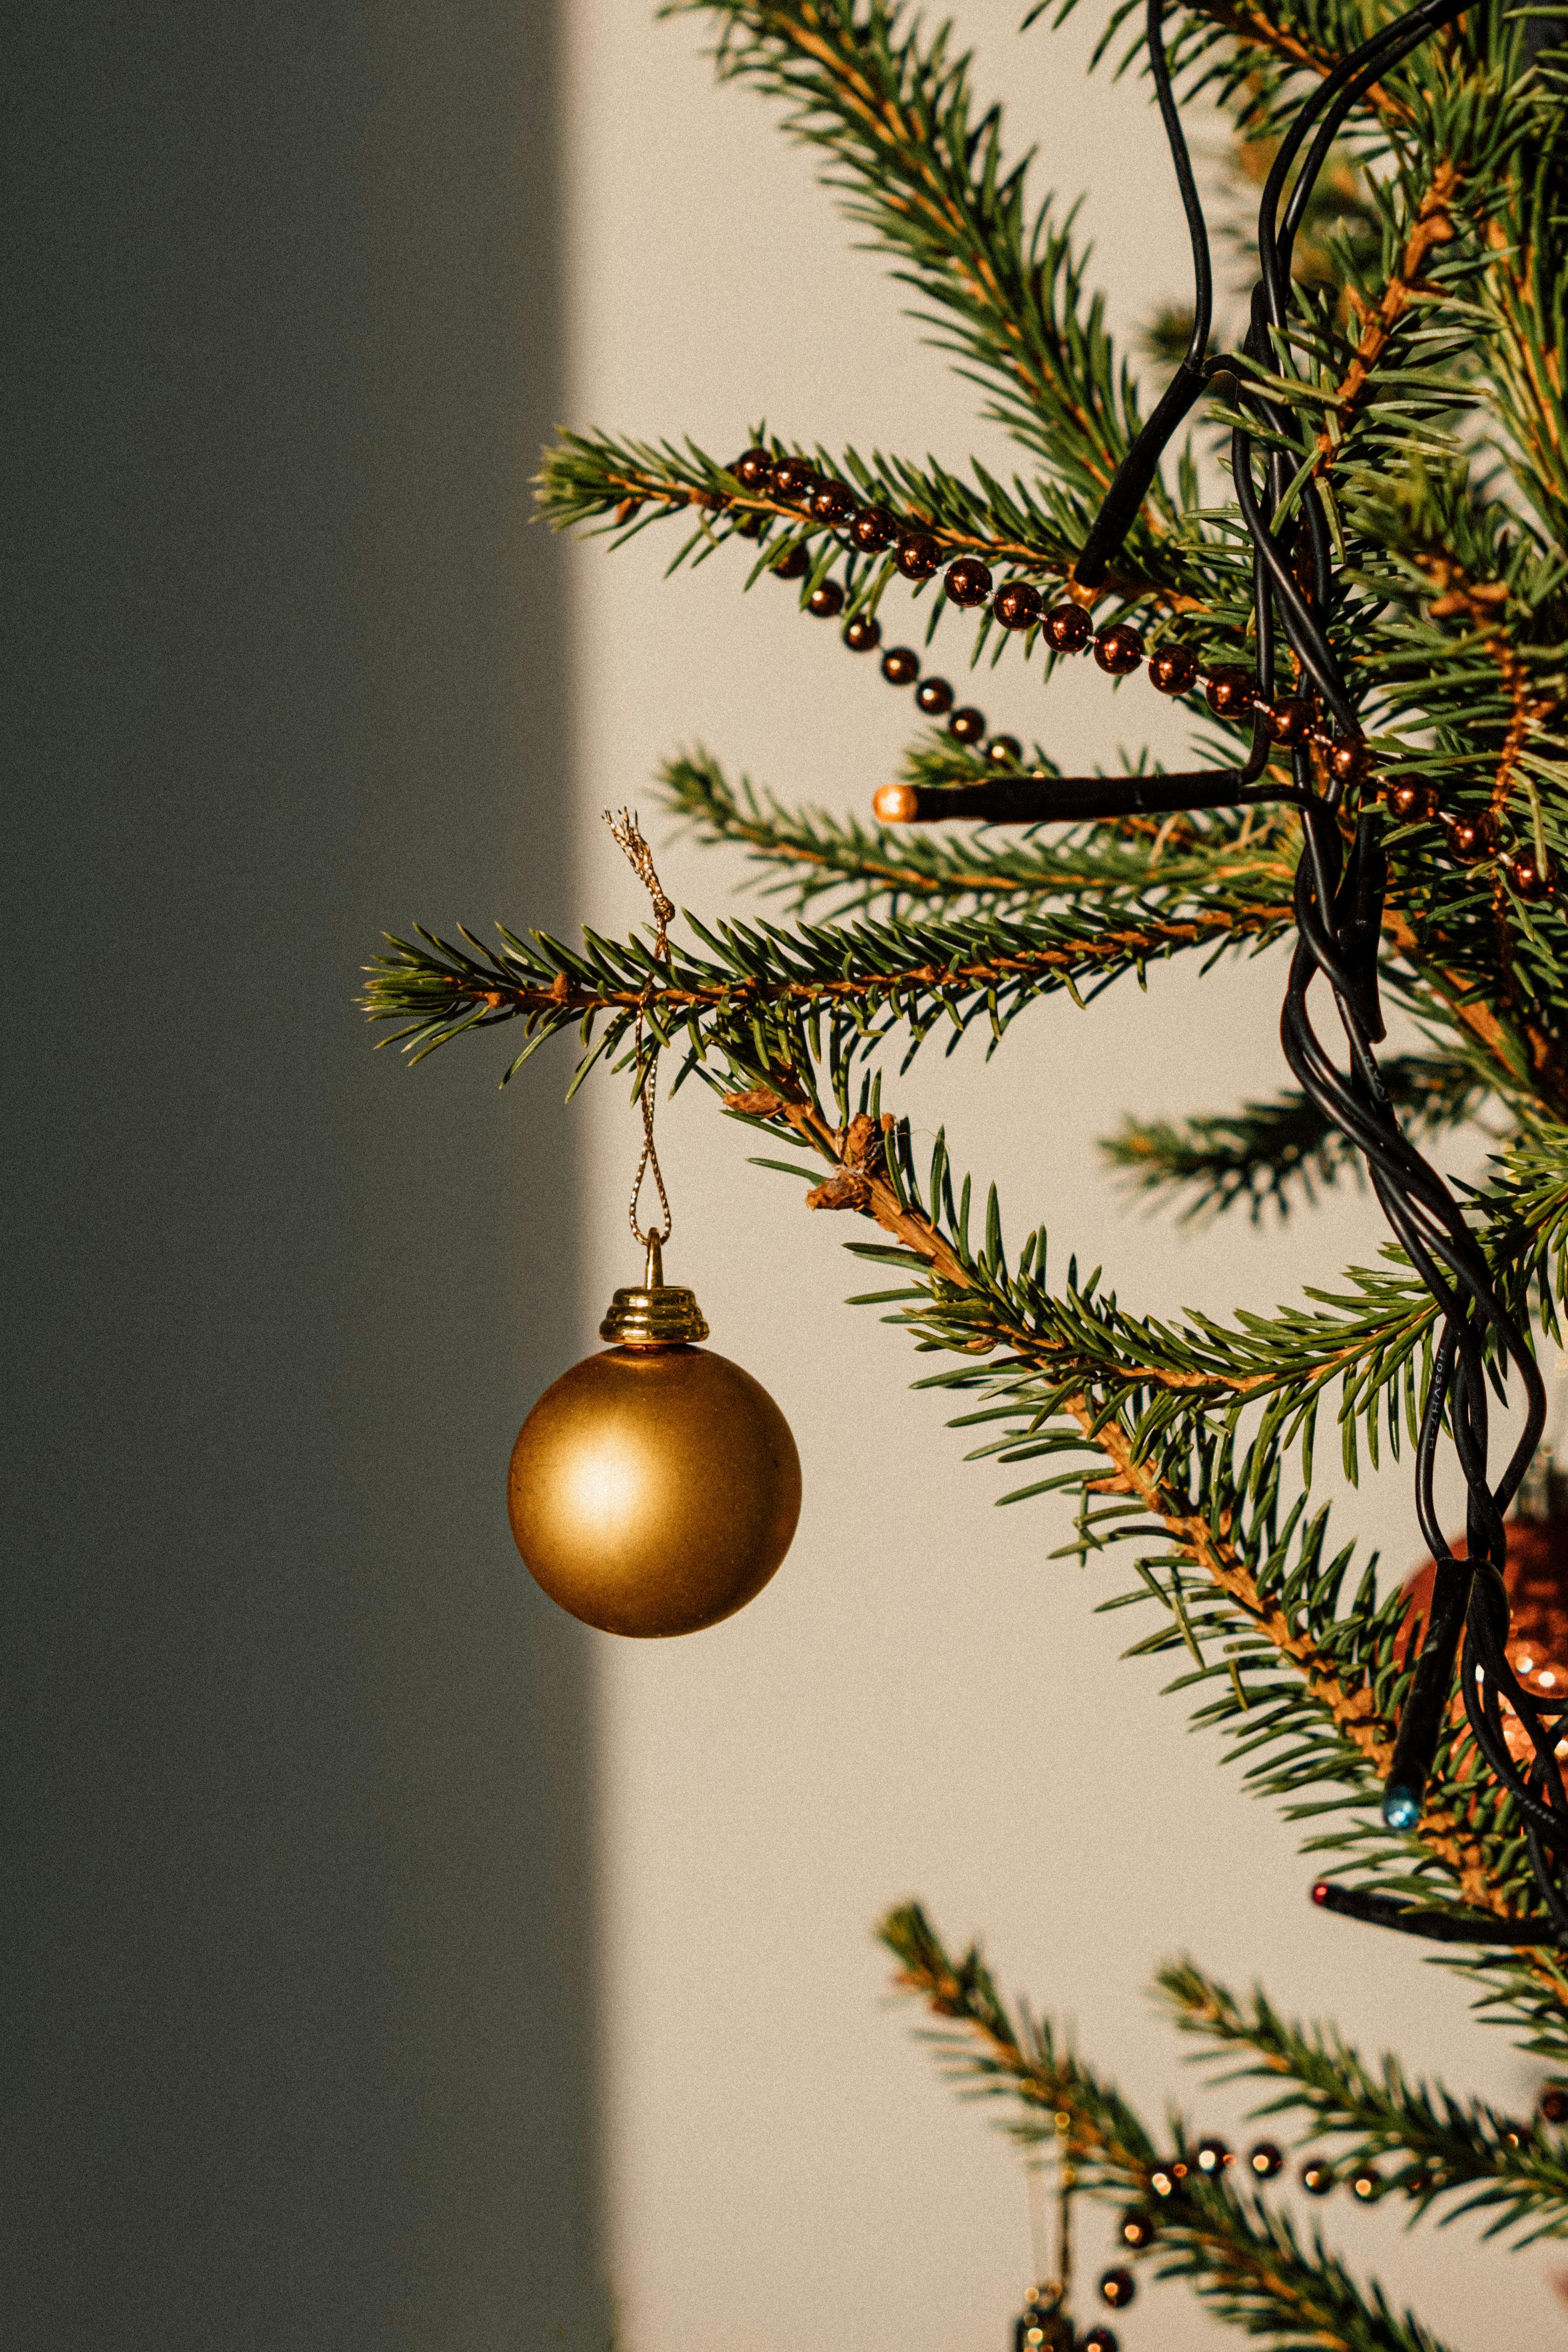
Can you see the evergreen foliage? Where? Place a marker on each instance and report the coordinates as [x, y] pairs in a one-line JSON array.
[[1425, 359]]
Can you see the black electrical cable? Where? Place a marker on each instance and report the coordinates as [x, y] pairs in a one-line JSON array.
[[1138, 468], [1338, 919], [1437, 1926]]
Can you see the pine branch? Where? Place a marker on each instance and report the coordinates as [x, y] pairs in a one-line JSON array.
[[1245, 2261], [1001, 289], [1514, 2173], [1269, 1153], [594, 482], [783, 998], [916, 165], [1145, 1418]]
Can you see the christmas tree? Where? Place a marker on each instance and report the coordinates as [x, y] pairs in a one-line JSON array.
[[1335, 544]]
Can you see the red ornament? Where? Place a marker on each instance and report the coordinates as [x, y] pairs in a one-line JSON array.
[[1535, 1578]]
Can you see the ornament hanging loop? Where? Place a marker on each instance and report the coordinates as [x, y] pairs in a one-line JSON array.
[[627, 834]]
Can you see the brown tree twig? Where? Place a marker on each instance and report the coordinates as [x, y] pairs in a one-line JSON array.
[[1433, 226], [1211, 1551]]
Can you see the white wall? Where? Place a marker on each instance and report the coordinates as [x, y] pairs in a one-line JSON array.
[[921, 1702]]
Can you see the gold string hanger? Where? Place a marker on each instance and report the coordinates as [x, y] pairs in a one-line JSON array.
[[627, 834]]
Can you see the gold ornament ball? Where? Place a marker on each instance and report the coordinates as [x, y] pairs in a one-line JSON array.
[[655, 1488]]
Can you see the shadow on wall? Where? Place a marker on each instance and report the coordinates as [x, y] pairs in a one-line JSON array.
[[300, 1999]]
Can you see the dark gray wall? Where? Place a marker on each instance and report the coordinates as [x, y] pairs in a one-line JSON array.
[[297, 2009]]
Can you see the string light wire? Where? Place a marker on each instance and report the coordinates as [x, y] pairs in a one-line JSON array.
[[1338, 911]]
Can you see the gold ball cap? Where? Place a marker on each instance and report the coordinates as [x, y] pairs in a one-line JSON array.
[[655, 1313], [667, 1317]]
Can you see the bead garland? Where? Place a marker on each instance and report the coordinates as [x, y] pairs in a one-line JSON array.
[[1265, 2162], [1175, 669], [1212, 2159]]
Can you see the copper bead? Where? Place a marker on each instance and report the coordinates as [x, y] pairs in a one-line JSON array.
[[1349, 760], [795, 478], [754, 468], [933, 696], [873, 529], [900, 665], [968, 724], [1230, 692], [831, 503], [1174, 669], [1017, 605], [968, 581], [1118, 649], [863, 635], [1472, 838], [826, 600], [1411, 799], [1291, 722], [1004, 750], [1067, 629], [1527, 879], [795, 563], [918, 555]]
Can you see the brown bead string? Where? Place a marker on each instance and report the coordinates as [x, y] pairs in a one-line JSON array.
[[1173, 668]]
